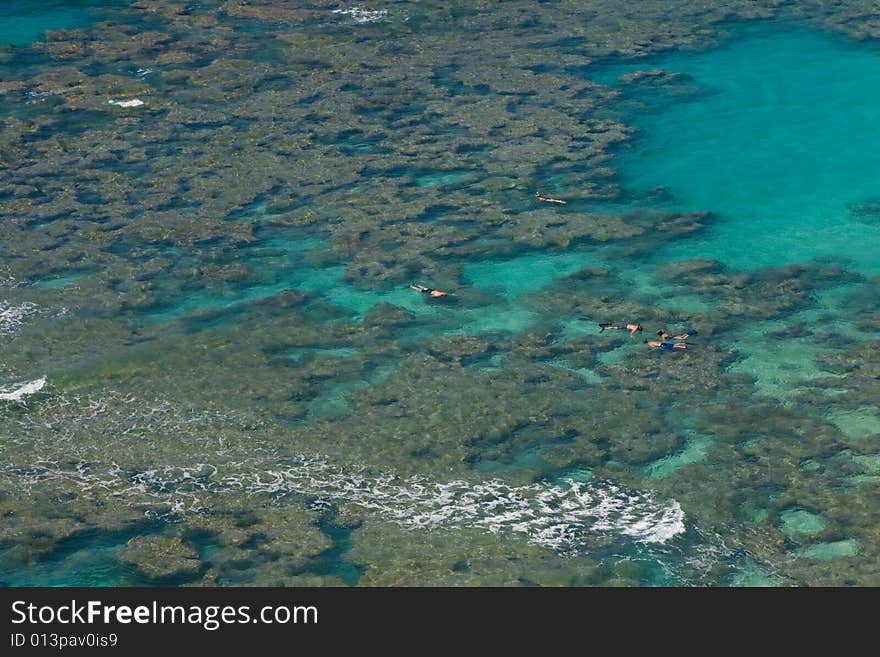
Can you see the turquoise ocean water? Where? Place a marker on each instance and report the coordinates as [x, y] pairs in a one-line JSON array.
[[23, 21], [780, 144], [213, 370]]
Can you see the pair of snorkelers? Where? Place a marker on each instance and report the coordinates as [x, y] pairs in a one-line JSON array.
[[663, 335], [428, 290]]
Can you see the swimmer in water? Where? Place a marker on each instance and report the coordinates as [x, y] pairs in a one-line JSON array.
[[632, 328], [666, 345], [547, 199], [428, 290], [663, 335]]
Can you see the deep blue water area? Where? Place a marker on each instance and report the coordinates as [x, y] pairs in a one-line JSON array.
[[25, 21], [781, 146]]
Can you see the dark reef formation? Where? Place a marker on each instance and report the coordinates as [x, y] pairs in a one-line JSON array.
[[168, 248]]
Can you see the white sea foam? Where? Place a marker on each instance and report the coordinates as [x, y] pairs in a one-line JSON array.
[[360, 15], [7, 279], [23, 390], [134, 102], [562, 518], [566, 518], [557, 517], [40, 96], [12, 316]]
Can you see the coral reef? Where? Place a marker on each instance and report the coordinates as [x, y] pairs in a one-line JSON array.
[[160, 558], [213, 284]]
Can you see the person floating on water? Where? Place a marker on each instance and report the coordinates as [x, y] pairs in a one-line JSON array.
[[663, 335], [666, 345], [632, 328], [547, 199], [428, 290]]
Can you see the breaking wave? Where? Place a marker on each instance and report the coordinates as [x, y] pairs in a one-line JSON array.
[[361, 16], [559, 517], [12, 393], [13, 316], [71, 441], [554, 516]]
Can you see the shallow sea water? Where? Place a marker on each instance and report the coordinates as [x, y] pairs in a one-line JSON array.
[[781, 146], [25, 21], [214, 286]]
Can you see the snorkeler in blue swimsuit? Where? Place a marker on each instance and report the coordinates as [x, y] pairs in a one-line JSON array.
[[666, 345]]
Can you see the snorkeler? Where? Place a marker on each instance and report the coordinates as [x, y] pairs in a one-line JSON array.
[[666, 345], [428, 290], [541, 197], [632, 328], [663, 335]]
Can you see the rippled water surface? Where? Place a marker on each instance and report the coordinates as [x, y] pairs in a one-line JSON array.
[[213, 370]]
